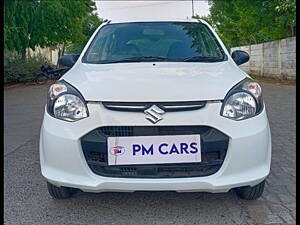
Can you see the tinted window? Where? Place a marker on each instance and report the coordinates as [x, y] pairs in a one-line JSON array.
[[173, 41]]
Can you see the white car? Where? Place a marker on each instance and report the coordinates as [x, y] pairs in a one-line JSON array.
[[155, 106]]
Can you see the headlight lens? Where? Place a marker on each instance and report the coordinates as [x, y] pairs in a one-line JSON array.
[[243, 101], [66, 103], [239, 106], [69, 107]]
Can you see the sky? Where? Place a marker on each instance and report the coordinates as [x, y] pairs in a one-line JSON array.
[[162, 9]]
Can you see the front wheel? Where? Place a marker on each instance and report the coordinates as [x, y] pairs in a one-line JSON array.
[[251, 193], [60, 192]]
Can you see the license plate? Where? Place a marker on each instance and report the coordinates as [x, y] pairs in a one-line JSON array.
[[154, 149]]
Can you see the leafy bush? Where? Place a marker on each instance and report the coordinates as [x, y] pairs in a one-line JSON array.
[[241, 22], [18, 69], [75, 48]]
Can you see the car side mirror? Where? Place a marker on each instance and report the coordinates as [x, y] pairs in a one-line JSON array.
[[68, 60], [240, 57]]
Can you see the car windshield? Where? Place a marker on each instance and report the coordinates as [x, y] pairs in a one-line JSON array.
[[154, 41]]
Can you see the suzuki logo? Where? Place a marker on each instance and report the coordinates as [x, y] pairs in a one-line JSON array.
[[154, 113]]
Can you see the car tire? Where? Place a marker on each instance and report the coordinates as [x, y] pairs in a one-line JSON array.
[[251, 193], [60, 192]]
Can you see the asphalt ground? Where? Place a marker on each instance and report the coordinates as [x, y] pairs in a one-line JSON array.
[[26, 200]]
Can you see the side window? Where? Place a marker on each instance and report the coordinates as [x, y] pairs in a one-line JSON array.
[[96, 49], [108, 46], [100, 48], [210, 44], [153, 47]]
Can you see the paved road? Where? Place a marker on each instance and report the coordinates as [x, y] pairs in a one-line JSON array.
[[27, 200]]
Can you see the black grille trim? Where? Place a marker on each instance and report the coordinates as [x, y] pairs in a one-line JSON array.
[[166, 106], [214, 146]]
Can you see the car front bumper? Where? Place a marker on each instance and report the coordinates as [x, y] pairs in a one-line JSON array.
[[247, 161]]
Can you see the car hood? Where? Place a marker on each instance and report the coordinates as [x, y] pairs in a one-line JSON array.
[[154, 82]]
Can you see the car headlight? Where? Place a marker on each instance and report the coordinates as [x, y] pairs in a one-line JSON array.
[[243, 101], [66, 103]]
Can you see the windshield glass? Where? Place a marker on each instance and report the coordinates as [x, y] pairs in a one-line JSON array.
[[154, 41]]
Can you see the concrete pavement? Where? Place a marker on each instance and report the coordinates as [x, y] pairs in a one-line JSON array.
[[26, 200]]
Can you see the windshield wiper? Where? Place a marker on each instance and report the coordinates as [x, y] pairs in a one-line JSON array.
[[202, 59], [137, 59], [159, 58], [149, 58]]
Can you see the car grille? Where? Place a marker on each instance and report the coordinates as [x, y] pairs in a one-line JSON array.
[[214, 146], [166, 106]]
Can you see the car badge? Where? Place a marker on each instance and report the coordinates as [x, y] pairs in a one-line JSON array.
[[153, 114], [117, 150]]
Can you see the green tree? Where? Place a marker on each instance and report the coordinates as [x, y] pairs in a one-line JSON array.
[[243, 22], [286, 12], [46, 23], [18, 21], [90, 24]]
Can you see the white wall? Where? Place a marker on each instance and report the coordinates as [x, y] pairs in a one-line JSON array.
[[271, 59], [48, 53]]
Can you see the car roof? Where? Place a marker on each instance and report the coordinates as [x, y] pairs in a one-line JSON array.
[[131, 20]]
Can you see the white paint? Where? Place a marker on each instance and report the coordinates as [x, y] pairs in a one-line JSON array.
[[247, 161], [248, 157], [193, 80], [50, 54], [143, 81]]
